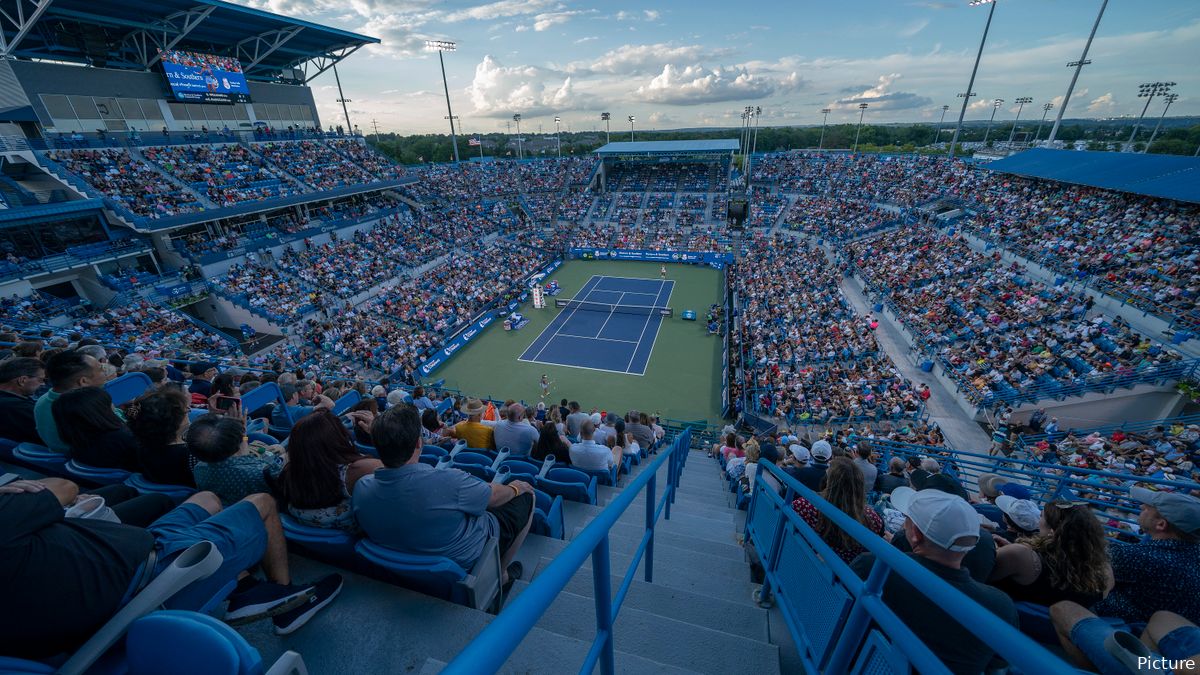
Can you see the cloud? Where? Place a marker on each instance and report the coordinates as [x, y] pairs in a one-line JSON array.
[[646, 59], [881, 97], [399, 34], [644, 15], [584, 40], [1105, 104], [549, 19], [658, 118], [913, 28], [500, 9], [698, 84], [499, 91], [1058, 100]]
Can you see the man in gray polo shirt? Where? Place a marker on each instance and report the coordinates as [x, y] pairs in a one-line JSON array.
[[514, 432], [576, 418], [414, 508]]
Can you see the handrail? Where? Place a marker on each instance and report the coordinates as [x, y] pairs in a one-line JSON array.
[[867, 606], [495, 643]]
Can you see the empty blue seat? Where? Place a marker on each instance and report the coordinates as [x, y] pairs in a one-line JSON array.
[[178, 493], [41, 457], [521, 469], [333, 546], [570, 484], [437, 576], [475, 464], [127, 387], [547, 515], [190, 643], [602, 477], [6, 448]]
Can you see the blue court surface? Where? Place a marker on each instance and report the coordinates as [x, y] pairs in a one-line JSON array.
[[600, 339]]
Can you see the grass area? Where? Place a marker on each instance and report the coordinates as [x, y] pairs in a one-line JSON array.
[[682, 380]]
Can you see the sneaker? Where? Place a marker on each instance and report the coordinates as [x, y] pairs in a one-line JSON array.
[[262, 600], [323, 592]]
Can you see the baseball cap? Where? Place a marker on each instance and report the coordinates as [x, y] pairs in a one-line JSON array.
[[822, 450], [943, 518], [799, 452], [989, 484], [1023, 512], [1015, 490], [1179, 510]]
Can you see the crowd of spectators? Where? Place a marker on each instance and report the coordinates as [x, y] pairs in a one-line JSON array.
[[836, 219], [315, 163], [227, 174], [265, 290], [128, 181]]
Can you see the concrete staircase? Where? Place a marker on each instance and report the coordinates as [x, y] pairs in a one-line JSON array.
[[697, 616]]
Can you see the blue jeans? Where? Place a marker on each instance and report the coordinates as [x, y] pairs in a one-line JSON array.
[[237, 532]]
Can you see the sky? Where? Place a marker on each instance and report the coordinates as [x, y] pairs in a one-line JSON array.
[[697, 63]]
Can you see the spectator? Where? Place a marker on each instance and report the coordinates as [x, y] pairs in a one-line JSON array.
[[943, 528], [732, 447], [295, 408], [66, 371], [20, 378], [638, 424], [893, 479], [575, 418], [202, 376], [1021, 518], [413, 507], [844, 488], [89, 565], [94, 435], [1163, 572], [318, 481], [813, 474], [514, 432], [159, 421], [980, 560], [228, 466], [1066, 560], [590, 455], [420, 400], [1096, 644], [472, 430], [862, 459], [551, 442]]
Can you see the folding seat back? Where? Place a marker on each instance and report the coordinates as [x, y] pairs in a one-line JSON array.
[[435, 575], [177, 493]]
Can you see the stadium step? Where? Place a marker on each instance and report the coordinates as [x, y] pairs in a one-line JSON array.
[[660, 637], [627, 543]]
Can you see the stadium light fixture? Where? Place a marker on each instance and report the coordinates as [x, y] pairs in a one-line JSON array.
[[558, 135], [757, 112], [520, 145], [1078, 66], [442, 46], [1169, 98], [938, 136], [862, 110], [342, 99], [631, 118], [825, 112], [1147, 91], [995, 106], [971, 83], [605, 117], [1045, 109], [1020, 106]]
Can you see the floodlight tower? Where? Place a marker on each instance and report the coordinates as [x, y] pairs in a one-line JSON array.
[[1020, 106], [520, 144], [631, 118], [1148, 91], [1078, 66], [966, 97], [825, 112], [995, 106], [557, 135], [862, 110], [342, 99], [938, 136], [1169, 98], [1045, 109], [442, 46], [606, 117]]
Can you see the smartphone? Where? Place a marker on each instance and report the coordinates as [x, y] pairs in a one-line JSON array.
[[225, 403]]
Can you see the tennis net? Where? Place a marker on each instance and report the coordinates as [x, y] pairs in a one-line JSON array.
[[607, 308]]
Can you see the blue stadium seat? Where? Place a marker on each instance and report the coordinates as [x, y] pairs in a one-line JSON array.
[[602, 477], [189, 643], [475, 464], [41, 457], [520, 469], [95, 475], [6, 448], [547, 515], [127, 387], [437, 576], [570, 484], [333, 546], [178, 493]]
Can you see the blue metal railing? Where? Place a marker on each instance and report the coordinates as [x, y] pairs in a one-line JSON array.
[[847, 615], [492, 647]]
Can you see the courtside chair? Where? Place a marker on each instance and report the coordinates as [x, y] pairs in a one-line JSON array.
[[440, 577]]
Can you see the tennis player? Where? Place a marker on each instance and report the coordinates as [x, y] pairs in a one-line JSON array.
[[662, 271], [545, 383]]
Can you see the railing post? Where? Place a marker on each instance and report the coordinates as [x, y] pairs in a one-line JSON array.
[[670, 493], [650, 504], [602, 589], [857, 622]]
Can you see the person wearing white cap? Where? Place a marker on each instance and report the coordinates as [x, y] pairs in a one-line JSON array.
[[1022, 517], [942, 528]]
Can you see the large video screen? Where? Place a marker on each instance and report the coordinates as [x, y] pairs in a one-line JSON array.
[[204, 78]]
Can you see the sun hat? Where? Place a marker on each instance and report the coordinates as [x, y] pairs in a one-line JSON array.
[[473, 406]]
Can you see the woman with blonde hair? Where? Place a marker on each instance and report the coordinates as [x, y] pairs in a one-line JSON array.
[[1066, 560]]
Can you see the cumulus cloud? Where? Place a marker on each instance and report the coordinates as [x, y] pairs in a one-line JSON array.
[[646, 59], [499, 91], [547, 20], [882, 97], [500, 10], [1105, 104], [644, 15], [400, 35], [698, 84]]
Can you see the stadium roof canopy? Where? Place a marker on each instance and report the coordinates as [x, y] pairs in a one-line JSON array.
[[722, 146], [127, 34], [1165, 176]]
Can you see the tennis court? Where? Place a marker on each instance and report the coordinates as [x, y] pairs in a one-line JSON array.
[[611, 325]]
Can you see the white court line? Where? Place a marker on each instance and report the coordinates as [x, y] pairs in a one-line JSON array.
[[568, 365], [670, 284], [610, 315], [567, 320], [589, 337]]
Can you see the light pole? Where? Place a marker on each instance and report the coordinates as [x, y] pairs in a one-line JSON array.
[[938, 136], [1147, 91], [520, 145], [966, 97], [753, 145], [446, 46], [631, 128], [342, 99], [1078, 66], [825, 112], [605, 117], [1045, 109], [995, 106], [1169, 98], [862, 110], [376, 125], [557, 135], [1020, 106]]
